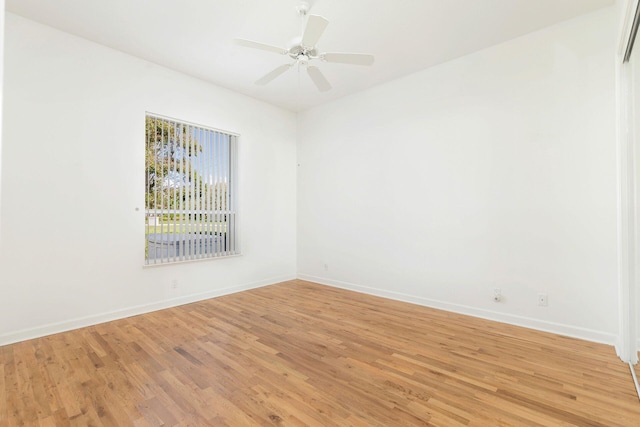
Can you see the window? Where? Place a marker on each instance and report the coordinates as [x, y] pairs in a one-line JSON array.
[[190, 206]]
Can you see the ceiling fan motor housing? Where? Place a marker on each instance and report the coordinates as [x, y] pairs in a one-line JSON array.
[[297, 50]]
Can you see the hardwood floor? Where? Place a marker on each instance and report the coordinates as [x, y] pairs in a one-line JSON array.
[[297, 354]]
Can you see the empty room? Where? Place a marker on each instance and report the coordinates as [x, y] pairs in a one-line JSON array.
[[320, 213]]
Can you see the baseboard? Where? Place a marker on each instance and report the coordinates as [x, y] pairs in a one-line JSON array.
[[81, 322], [527, 322], [624, 355], [619, 348]]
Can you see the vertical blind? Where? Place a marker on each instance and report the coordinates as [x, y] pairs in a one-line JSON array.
[[190, 210]]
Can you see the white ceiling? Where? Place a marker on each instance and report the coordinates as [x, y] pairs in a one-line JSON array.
[[196, 36]]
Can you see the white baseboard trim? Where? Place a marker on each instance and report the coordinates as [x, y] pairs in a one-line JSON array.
[[527, 322], [81, 322], [618, 347]]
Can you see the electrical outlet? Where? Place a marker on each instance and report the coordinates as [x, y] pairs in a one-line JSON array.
[[326, 267], [543, 300], [172, 288], [497, 294]]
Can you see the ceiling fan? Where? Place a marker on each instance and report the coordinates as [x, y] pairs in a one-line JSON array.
[[304, 50]]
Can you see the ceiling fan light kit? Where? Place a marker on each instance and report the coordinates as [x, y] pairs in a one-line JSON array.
[[303, 50]]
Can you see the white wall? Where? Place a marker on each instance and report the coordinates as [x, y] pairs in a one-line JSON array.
[[634, 96], [497, 169], [627, 184], [73, 176], [1, 89]]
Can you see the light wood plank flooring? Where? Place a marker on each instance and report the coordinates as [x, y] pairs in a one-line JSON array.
[[297, 354]]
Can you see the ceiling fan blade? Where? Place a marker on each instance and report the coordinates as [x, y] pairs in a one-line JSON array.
[[318, 79], [261, 46], [348, 58], [273, 74], [314, 29]]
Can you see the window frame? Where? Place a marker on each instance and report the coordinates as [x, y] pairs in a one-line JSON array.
[[187, 238]]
